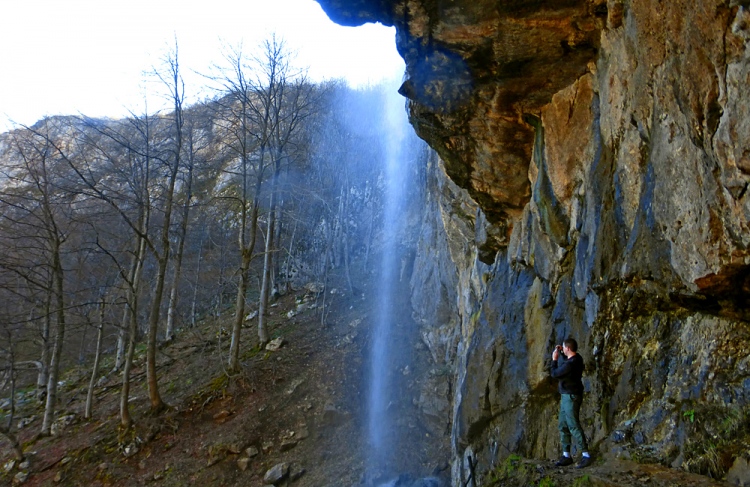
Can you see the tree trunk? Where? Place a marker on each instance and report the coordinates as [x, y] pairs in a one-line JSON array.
[[287, 284], [157, 404], [266, 281], [132, 332], [122, 334], [265, 285], [5, 430], [239, 311], [49, 409], [197, 278], [176, 90], [41, 381], [326, 266], [97, 357], [14, 444], [169, 332], [133, 278], [180, 251], [345, 235], [125, 419], [275, 268]]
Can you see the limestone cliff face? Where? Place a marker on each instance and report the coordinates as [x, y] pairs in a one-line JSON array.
[[599, 161]]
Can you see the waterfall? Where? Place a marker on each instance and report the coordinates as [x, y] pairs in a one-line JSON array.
[[381, 421]]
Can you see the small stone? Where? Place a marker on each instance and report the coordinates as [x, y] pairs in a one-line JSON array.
[[58, 477], [295, 384], [252, 452], [103, 466], [276, 473], [266, 446], [234, 448], [288, 444], [61, 423], [242, 463], [275, 344], [20, 478], [65, 461], [24, 465], [9, 465]]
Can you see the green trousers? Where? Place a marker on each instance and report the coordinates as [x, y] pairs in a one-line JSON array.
[[568, 422]]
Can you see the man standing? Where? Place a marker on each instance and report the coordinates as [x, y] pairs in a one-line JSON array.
[[568, 371]]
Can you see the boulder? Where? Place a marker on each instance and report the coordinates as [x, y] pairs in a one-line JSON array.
[[739, 474]]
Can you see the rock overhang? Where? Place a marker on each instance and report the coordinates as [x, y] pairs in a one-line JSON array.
[[474, 69]]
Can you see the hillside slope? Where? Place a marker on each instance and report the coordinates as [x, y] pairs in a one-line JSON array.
[[303, 404]]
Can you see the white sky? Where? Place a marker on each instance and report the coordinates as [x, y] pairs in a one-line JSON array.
[[89, 56]]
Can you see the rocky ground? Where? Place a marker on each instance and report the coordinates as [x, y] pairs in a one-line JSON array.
[[296, 413], [301, 406], [609, 472]]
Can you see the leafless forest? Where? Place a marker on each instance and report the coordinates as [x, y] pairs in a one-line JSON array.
[[118, 234]]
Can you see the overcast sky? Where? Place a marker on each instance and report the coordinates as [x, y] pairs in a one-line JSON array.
[[89, 56]]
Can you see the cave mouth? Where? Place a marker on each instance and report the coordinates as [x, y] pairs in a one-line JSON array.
[[725, 293]]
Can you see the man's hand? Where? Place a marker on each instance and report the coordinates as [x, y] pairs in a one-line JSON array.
[[556, 353]]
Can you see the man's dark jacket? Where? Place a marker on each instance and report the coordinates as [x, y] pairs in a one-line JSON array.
[[569, 372]]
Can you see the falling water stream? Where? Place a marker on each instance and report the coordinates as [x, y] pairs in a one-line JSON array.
[[391, 341], [380, 395]]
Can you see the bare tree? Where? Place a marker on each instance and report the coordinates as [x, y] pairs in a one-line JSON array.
[[284, 99], [247, 148], [195, 142], [116, 168], [97, 357], [40, 208], [172, 80], [10, 380]]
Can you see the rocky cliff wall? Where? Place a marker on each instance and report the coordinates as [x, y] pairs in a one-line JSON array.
[[599, 160]]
